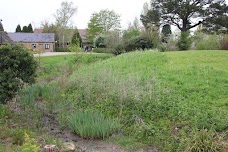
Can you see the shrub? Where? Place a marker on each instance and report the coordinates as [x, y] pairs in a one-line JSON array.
[[206, 42], [224, 43], [100, 41], [184, 42], [204, 140], [4, 112], [116, 51], [29, 145], [103, 50], [59, 49], [138, 42], [18, 66], [90, 124], [169, 45]]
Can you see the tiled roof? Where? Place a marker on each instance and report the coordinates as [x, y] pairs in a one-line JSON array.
[[5, 39], [32, 37], [83, 33]]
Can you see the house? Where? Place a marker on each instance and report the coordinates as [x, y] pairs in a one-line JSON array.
[[83, 35], [38, 30], [35, 41], [68, 36]]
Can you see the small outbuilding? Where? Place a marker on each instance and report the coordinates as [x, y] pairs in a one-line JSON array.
[[35, 41]]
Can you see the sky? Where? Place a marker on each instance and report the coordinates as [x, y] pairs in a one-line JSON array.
[[23, 12]]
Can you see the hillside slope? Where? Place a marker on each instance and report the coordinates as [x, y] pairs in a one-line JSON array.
[[162, 99]]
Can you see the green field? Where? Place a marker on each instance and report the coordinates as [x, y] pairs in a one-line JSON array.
[[169, 101], [162, 99]]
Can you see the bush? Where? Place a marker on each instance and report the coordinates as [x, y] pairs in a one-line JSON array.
[[103, 50], [59, 49], [204, 140], [169, 45], [18, 66], [206, 42], [224, 43], [184, 42], [30, 145], [92, 124], [100, 42], [116, 51], [138, 42]]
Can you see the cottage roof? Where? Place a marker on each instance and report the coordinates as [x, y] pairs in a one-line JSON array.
[[83, 34], [5, 39], [32, 37]]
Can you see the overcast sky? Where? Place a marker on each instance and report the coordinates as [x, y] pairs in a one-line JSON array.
[[23, 12]]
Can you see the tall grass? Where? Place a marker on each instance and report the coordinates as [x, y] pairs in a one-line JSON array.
[[90, 124], [152, 93]]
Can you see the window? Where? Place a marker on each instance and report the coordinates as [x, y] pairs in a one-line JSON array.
[[33, 46], [47, 46]]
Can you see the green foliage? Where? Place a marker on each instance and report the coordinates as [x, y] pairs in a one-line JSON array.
[[29, 94], [30, 29], [91, 124], [206, 42], [224, 42], [130, 33], [60, 49], [166, 32], [102, 22], [157, 95], [5, 114], [103, 50], [100, 41], [76, 38], [17, 136], [25, 29], [138, 42], [151, 16], [17, 67], [75, 46], [18, 29], [204, 140], [184, 42], [116, 51], [169, 45], [30, 144], [161, 12], [57, 66]]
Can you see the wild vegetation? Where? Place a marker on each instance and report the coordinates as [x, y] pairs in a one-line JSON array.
[[172, 101], [160, 99]]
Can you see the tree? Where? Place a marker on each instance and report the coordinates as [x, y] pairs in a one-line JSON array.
[[184, 14], [18, 29], [76, 37], [139, 42], [166, 32], [25, 29], [1, 26], [30, 29], [62, 17], [18, 67], [103, 22]]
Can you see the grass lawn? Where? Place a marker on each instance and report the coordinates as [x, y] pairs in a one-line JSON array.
[[169, 101], [162, 99]]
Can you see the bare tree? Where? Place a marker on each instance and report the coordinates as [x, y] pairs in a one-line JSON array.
[[62, 17]]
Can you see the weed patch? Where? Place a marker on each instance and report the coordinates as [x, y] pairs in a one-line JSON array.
[[90, 124]]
